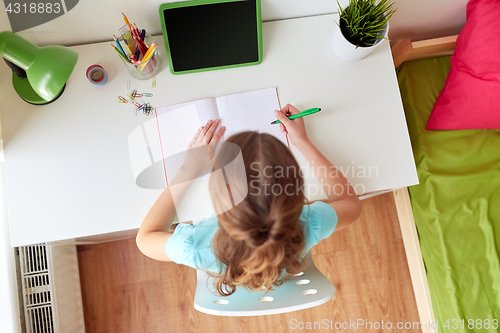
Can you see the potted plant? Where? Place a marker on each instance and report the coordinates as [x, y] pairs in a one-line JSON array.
[[362, 25]]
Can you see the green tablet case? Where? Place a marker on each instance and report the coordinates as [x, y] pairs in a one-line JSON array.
[[186, 5]]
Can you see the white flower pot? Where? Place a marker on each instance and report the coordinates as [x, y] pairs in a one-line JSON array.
[[348, 51]]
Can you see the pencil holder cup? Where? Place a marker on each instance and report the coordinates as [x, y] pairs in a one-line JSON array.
[[147, 69]]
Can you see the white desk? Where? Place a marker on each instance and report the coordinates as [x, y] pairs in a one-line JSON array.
[[68, 171]]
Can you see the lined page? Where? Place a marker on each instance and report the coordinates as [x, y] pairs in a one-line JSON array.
[[177, 125], [250, 111]]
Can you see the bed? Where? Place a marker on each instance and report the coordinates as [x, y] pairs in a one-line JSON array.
[[451, 221]]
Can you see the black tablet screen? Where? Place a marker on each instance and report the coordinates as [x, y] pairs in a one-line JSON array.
[[212, 35]]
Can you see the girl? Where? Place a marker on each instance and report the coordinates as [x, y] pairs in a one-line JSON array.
[[261, 240]]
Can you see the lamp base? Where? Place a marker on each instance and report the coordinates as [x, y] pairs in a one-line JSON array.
[[25, 91]]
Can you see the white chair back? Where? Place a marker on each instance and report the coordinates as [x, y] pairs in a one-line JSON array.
[[303, 291]]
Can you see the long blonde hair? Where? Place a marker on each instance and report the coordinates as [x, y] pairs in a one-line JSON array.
[[260, 237]]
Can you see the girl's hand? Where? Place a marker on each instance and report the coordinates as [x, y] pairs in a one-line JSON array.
[[295, 129], [199, 151], [205, 134]]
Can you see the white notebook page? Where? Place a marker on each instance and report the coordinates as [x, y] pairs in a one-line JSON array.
[[250, 111], [177, 125]]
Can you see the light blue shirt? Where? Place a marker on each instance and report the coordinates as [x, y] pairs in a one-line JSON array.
[[190, 244]]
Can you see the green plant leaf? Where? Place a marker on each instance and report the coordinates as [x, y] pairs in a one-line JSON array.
[[364, 21]]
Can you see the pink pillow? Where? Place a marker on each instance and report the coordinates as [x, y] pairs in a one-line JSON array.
[[470, 98]]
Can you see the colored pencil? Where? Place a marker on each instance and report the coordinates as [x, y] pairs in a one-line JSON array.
[[148, 56], [119, 46], [136, 30], [126, 21], [121, 54]]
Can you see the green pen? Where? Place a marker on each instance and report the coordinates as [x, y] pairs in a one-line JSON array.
[[302, 114]]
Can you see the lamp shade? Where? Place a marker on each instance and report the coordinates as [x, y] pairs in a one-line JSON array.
[[47, 68]]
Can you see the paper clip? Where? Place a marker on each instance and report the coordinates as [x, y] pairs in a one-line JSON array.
[[128, 84], [146, 108], [122, 99], [147, 95], [133, 94], [140, 105], [149, 110], [154, 82]]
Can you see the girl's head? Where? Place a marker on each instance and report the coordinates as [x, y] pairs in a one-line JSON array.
[[260, 236]]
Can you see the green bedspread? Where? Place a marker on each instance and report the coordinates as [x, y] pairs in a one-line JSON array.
[[456, 205]]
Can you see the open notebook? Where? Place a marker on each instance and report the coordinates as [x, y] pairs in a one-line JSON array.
[[249, 111]]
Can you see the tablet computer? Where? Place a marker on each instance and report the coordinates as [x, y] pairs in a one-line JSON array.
[[204, 35]]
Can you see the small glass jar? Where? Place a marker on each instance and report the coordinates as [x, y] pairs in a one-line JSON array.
[[148, 69]]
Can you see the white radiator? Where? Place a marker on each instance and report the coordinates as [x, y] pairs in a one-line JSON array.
[[51, 289]]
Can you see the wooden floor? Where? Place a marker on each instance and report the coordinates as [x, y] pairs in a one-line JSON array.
[[123, 291]]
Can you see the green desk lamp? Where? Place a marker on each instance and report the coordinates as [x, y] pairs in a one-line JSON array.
[[39, 73]]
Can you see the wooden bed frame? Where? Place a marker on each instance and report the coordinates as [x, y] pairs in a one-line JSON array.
[[404, 50]]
